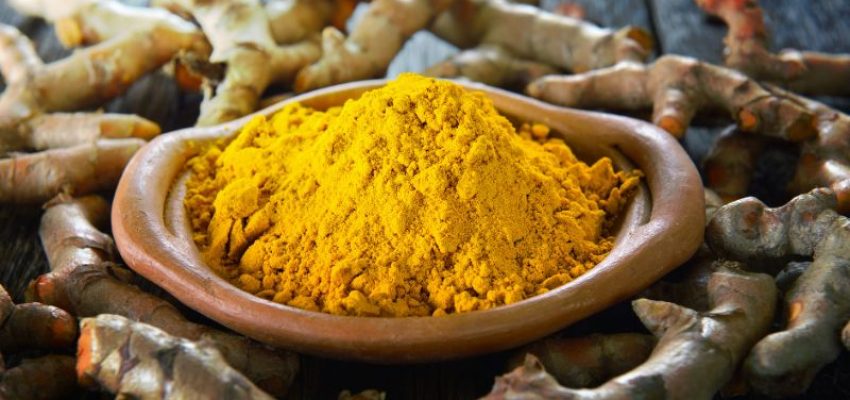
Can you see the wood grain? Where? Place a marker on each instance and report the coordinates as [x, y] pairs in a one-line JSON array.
[[804, 25]]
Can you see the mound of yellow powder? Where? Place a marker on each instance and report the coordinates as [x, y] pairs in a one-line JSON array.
[[416, 199]]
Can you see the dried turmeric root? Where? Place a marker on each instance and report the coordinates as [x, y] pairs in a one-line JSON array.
[[510, 45], [747, 46], [590, 361], [292, 21], [676, 88], [532, 34], [28, 120], [697, 353], [89, 22], [372, 45], [32, 86], [83, 275], [731, 162], [491, 65], [43, 378], [241, 39], [136, 360], [32, 90], [582, 362], [34, 326], [86, 168], [690, 287], [824, 159], [817, 307]]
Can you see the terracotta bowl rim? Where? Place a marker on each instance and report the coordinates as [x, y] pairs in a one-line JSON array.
[[158, 251]]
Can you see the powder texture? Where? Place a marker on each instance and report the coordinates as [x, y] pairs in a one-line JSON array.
[[416, 199]]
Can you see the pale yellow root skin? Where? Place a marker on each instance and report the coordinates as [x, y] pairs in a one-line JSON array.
[[87, 22], [369, 49], [241, 38], [83, 160], [85, 168], [292, 21], [248, 74], [35, 89], [491, 65], [533, 34]]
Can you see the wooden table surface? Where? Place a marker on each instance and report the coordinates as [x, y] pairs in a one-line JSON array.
[[678, 26]]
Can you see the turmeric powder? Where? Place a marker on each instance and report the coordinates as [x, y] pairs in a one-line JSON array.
[[416, 199]]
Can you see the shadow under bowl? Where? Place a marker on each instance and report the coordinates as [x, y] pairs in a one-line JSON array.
[[660, 229]]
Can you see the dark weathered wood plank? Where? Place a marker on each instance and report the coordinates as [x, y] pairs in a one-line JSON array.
[[612, 14], [684, 29], [20, 249], [681, 28]]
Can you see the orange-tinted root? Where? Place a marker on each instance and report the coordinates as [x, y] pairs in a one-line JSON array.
[[697, 353], [491, 65], [532, 34], [240, 33], [676, 88], [38, 326], [86, 168], [371, 46], [825, 159], [584, 362], [817, 305], [747, 50], [83, 275], [297, 20], [34, 326], [731, 162], [34, 89], [43, 378]]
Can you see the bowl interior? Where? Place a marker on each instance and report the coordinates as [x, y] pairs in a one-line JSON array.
[[652, 237]]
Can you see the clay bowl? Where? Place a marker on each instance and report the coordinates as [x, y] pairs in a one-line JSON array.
[[661, 229]]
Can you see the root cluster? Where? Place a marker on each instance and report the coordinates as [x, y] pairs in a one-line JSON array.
[[709, 330]]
